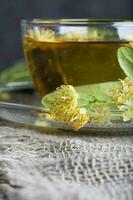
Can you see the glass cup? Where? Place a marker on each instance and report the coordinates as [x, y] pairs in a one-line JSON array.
[[75, 52]]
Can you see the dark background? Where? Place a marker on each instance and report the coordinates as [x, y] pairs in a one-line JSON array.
[[12, 11]]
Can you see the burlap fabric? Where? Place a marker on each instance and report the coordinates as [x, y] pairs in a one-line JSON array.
[[52, 165]]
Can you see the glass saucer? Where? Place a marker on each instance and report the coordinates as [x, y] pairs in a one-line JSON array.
[[25, 108]]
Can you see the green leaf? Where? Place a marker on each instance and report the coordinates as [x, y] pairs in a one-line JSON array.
[[17, 72], [87, 94], [99, 92], [125, 58]]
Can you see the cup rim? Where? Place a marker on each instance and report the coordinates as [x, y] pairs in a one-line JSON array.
[[76, 21]]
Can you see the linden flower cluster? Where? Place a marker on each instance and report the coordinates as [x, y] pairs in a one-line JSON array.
[[100, 113], [48, 35], [65, 108], [123, 97], [42, 34]]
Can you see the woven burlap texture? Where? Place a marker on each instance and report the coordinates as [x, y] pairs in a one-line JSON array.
[[39, 166]]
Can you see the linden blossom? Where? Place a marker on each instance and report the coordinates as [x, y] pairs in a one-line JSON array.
[[49, 35], [123, 97], [42, 34], [69, 34], [65, 108]]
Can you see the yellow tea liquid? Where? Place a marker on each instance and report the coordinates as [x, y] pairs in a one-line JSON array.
[[77, 63]]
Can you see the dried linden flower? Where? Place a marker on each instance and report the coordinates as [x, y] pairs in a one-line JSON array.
[[74, 37], [124, 93], [100, 113], [70, 34], [65, 108], [47, 35], [123, 97]]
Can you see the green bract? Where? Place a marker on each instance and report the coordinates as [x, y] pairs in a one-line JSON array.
[[125, 58], [87, 94]]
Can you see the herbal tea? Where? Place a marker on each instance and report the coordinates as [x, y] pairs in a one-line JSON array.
[[76, 63]]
